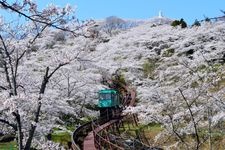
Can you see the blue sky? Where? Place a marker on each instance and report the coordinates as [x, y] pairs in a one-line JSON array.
[[143, 9]]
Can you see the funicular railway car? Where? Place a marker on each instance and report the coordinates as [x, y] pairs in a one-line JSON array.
[[109, 103]]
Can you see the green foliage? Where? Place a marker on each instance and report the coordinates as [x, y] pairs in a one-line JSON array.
[[168, 53], [196, 23], [175, 23], [216, 67], [175, 79], [194, 84], [8, 146], [219, 85], [149, 67], [202, 68], [180, 22], [207, 19], [183, 23], [91, 106], [118, 81], [119, 78], [68, 119], [62, 137]]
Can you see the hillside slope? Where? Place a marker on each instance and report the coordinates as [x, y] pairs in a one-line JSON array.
[[178, 73], [151, 58]]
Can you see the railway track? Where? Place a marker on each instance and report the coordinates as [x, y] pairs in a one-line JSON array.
[[93, 135]]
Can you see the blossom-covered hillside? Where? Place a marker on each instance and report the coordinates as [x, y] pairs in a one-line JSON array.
[[178, 74], [172, 69]]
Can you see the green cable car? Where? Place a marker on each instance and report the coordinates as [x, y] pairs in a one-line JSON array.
[[108, 98]]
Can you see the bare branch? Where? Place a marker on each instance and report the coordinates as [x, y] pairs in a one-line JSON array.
[[192, 118], [175, 131], [2, 87], [38, 34]]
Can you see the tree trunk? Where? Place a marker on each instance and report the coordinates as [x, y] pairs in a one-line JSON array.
[[19, 130]]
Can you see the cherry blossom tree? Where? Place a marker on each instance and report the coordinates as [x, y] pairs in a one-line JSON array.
[[25, 103]]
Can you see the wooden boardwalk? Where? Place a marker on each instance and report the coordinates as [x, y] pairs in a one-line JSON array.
[[89, 143]]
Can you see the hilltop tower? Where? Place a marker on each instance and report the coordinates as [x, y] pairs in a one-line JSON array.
[[160, 19], [160, 14]]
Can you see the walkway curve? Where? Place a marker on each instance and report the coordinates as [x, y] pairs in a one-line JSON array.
[[84, 137]]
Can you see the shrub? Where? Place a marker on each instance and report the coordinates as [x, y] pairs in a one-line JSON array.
[[207, 19], [168, 52], [194, 84], [181, 23], [196, 23], [175, 23], [118, 81], [149, 67]]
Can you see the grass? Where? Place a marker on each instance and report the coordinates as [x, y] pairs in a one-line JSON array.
[[144, 132], [8, 146], [62, 137], [150, 131]]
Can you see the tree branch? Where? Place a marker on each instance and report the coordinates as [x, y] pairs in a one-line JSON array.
[[175, 131], [9, 124], [47, 76], [192, 118], [7, 6], [2, 87]]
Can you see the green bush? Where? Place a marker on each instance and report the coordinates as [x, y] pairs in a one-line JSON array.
[[207, 19], [175, 23], [168, 52], [196, 23], [180, 22], [149, 67], [194, 84], [183, 23]]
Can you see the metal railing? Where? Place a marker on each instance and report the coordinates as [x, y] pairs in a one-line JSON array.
[[101, 137], [99, 126]]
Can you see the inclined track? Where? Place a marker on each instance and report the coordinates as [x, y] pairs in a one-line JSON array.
[[90, 142]]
